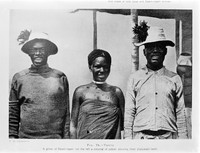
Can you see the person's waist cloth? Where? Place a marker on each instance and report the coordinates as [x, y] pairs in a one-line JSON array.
[[155, 133]]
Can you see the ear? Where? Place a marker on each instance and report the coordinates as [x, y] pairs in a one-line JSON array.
[[29, 55], [47, 53], [90, 68], [145, 52]]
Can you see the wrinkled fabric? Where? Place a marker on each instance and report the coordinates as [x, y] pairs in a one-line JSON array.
[[98, 120], [39, 104], [154, 101], [168, 135]]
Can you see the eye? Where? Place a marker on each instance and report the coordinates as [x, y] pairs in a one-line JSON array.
[[35, 50], [106, 67], [97, 66]]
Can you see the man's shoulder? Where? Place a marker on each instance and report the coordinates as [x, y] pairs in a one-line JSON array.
[[170, 74], [139, 72], [21, 73], [58, 72], [173, 76]]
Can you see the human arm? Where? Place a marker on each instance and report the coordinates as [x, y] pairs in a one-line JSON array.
[[14, 109], [121, 100], [74, 113], [67, 115], [180, 111], [130, 110]]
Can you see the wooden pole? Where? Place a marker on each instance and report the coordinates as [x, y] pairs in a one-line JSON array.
[[177, 40], [180, 37], [94, 29], [135, 51]]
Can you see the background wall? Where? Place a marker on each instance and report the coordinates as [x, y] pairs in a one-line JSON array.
[[73, 34]]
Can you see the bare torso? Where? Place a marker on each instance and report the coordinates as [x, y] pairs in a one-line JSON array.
[[100, 92], [95, 93]]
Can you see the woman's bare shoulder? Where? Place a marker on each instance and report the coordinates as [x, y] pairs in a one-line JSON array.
[[115, 88], [82, 88]]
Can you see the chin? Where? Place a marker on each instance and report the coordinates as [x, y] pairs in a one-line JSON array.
[[38, 65], [156, 63], [101, 80]]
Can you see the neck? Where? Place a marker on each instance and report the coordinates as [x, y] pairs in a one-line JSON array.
[[155, 68], [40, 66], [42, 69], [98, 82]]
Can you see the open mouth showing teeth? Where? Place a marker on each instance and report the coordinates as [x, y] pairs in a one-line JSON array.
[[101, 75], [155, 56], [38, 59]]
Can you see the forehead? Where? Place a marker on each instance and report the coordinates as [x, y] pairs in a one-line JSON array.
[[100, 60]]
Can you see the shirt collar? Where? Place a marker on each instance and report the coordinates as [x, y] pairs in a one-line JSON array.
[[160, 71], [42, 69]]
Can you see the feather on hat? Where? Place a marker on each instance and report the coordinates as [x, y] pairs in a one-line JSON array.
[[148, 34]]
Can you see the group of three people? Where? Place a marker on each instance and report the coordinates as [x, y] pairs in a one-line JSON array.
[[153, 107]]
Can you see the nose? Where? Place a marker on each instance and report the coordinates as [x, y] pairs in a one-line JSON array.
[[155, 49], [37, 52], [101, 69]]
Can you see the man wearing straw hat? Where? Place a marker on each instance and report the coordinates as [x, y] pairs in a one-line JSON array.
[[39, 95], [154, 107]]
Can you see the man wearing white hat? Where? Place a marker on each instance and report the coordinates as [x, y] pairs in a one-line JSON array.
[[39, 96], [154, 106]]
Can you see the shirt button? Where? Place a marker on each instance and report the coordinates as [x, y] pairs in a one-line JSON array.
[[156, 107], [156, 93]]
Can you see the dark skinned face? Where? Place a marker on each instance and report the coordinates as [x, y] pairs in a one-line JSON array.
[[38, 54], [100, 69], [155, 55]]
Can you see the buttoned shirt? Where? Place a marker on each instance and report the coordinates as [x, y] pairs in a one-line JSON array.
[[154, 101], [39, 104]]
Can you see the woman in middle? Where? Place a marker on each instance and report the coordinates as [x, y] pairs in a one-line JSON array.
[[97, 107]]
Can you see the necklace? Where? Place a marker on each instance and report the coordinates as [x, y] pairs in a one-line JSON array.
[[97, 82]]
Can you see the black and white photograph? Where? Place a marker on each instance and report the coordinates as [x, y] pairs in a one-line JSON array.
[[100, 76]]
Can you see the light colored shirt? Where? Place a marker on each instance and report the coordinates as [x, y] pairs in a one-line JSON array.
[[154, 101]]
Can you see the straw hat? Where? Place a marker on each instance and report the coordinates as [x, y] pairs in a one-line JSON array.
[[156, 34], [28, 38]]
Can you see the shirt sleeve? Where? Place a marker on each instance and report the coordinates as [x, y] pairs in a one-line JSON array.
[[14, 110], [67, 117], [130, 109], [180, 111]]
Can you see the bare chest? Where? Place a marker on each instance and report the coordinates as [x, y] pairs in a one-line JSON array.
[[98, 94]]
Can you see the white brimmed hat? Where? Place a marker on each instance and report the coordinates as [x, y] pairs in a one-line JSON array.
[[156, 34], [34, 37]]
